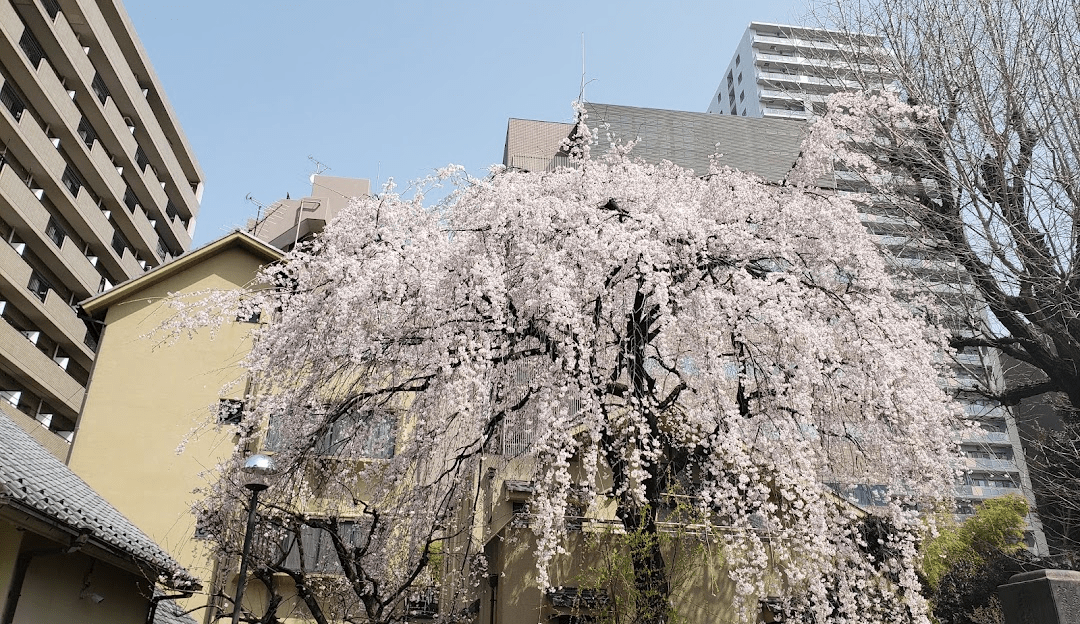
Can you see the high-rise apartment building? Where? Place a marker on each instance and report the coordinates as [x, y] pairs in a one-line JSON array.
[[97, 185], [787, 71], [769, 147]]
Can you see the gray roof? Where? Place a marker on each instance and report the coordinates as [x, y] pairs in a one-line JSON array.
[[35, 482], [766, 147], [168, 612]]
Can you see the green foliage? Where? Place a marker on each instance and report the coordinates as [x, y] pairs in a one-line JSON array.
[[996, 528]]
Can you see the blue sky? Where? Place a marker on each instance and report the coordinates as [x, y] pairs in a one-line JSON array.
[[398, 89]]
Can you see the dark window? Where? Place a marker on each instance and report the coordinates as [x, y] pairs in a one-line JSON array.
[[140, 159], [163, 253], [230, 411], [71, 181], [742, 95], [32, 48], [367, 434], [130, 200], [86, 131], [39, 285], [12, 101], [320, 556], [100, 90], [119, 243], [740, 77], [737, 59], [55, 232], [170, 211], [52, 7]]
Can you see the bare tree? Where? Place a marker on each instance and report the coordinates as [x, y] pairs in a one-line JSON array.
[[986, 159]]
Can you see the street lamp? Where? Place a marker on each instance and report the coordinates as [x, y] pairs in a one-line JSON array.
[[257, 468]]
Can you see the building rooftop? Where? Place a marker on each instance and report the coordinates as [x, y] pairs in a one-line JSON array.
[[40, 488]]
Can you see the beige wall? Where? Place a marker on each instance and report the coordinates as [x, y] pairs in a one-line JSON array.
[[55, 580], [146, 399]]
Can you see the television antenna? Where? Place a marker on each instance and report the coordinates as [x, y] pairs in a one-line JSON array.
[[320, 167]]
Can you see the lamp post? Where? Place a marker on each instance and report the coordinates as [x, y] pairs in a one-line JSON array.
[[257, 467]]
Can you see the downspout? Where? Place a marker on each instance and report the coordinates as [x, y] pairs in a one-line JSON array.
[[493, 581]]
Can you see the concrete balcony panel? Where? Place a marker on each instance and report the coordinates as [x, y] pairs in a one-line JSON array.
[[23, 203], [43, 149], [153, 187], [977, 491], [42, 375], [52, 443], [15, 271], [58, 96], [73, 49], [79, 266], [988, 437], [989, 465], [66, 320], [10, 24], [99, 225], [106, 170], [119, 128], [780, 112], [131, 265]]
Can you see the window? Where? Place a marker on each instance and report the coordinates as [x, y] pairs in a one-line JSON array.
[[119, 243], [140, 159], [39, 285], [32, 48], [366, 433], [130, 200], [71, 181], [99, 88], [740, 77], [320, 556], [170, 210], [737, 59], [163, 253], [52, 7], [742, 95], [86, 132], [55, 232], [230, 411], [12, 101]]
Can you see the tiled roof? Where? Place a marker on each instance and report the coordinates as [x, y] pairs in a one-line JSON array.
[[34, 480], [168, 612]]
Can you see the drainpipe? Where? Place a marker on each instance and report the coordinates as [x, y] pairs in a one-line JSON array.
[[493, 582]]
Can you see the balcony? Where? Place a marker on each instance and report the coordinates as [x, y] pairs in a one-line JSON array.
[[53, 443], [782, 112], [44, 376], [73, 49], [976, 491], [63, 316], [79, 266], [988, 437], [988, 465], [58, 95], [44, 150]]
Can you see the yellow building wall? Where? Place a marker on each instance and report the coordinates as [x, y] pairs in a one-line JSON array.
[[147, 398]]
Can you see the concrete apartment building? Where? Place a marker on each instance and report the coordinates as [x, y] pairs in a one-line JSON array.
[[97, 185], [769, 147], [787, 71]]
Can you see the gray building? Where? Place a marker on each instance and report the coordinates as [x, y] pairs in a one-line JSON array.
[[97, 185], [769, 147]]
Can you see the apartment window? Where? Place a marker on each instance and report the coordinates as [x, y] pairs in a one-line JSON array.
[[55, 232], [119, 243], [737, 59], [320, 556], [39, 285], [163, 253], [86, 132], [71, 181], [130, 200], [730, 80], [100, 90], [32, 48], [170, 210], [12, 101], [140, 159], [742, 95], [368, 434], [740, 77], [230, 411], [52, 7]]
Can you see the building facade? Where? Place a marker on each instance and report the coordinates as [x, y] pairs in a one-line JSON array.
[[787, 71], [97, 185]]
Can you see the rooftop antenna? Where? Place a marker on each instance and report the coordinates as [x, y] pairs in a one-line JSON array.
[[258, 213], [581, 92], [319, 168]]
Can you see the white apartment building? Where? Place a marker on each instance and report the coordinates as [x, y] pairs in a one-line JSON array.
[[787, 71], [97, 185]]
